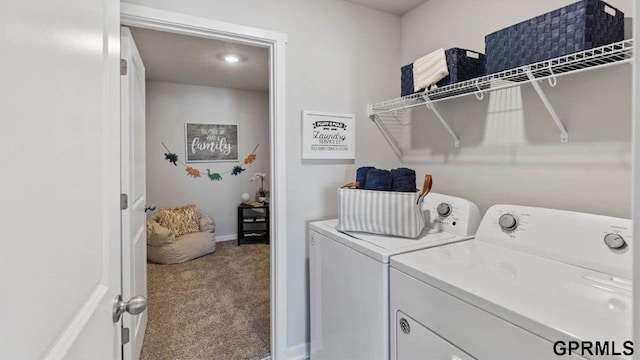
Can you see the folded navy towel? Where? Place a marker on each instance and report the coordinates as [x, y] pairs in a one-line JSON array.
[[403, 180], [378, 180], [361, 175]]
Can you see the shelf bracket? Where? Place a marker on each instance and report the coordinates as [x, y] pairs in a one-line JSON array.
[[387, 136], [564, 135], [430, 106]]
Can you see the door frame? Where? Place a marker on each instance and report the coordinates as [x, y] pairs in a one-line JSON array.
[[155, 19], [635, 176]]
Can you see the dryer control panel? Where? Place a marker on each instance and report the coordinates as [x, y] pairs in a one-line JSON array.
[[595, 242], [451, 214]]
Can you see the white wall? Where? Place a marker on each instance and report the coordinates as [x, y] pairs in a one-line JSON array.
[[340, 56], [591, 173], [169, 107]]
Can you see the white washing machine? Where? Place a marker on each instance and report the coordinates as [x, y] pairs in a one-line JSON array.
[[349, 278], [533, 283]]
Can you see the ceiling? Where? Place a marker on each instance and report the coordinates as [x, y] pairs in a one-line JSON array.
[[398, 7], [197, 61]]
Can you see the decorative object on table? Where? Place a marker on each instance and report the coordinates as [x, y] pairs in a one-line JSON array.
[[245, 197], [211, 142], [261, 194], [461, 65], [328, 135], [383, 212], [164, 246], [580, 26], [195, 173]]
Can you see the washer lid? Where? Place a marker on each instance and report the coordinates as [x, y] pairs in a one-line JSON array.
[[380, 247], [556, 300]]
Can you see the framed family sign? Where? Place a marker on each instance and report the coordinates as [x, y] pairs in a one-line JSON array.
[[328, 135], [211, 142]]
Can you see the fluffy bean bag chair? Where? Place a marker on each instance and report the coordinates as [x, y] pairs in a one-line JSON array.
[[179, 235]]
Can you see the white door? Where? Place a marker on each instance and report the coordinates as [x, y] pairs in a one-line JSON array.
[[60, 179], [134, 230]]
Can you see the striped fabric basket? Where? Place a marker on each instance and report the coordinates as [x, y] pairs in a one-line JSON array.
[[383, 212]]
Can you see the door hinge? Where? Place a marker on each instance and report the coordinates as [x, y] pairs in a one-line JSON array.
[[124, 201], [123, 67], [125, 336]]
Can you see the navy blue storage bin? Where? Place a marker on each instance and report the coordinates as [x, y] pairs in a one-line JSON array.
[[573, 28], [463, 65], [406, 81]]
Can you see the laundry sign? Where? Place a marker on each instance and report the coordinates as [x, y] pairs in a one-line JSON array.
[[211, 142], [327, 135]]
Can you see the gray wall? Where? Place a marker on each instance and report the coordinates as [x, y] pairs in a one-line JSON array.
[[340, 56], [510, 152], [169, 107]]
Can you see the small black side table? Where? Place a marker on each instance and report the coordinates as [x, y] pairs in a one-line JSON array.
[[253, 223]]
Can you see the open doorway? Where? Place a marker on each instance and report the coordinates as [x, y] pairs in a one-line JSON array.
[[149, 18], [207, 150]]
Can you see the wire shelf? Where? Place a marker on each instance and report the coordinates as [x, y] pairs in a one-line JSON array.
[[604, 56], [394, 120]]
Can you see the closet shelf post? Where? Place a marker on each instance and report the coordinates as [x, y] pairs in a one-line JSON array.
[[564, 135]]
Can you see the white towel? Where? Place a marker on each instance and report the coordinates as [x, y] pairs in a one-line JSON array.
[[429, 69]]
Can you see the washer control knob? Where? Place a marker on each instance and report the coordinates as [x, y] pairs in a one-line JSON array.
[[444, 209], [615, 241], [508, 222]]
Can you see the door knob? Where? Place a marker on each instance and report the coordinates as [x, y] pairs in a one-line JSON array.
[[134, 306], [149, 208]]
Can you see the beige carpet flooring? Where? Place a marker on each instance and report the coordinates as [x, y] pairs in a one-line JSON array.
[[214, 307]]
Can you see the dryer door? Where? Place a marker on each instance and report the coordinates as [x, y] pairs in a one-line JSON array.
[[415, 341], [349, 303]]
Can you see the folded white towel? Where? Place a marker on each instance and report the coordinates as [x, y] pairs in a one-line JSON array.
[[429, 69]]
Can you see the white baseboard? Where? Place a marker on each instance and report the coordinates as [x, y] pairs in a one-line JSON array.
[[229, 237], [298, 352]]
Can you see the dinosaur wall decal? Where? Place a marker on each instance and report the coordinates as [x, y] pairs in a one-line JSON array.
[[214, 176], [195, 173]]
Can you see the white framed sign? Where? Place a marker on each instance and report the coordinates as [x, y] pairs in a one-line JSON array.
[[211, 142], [328, 135]]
